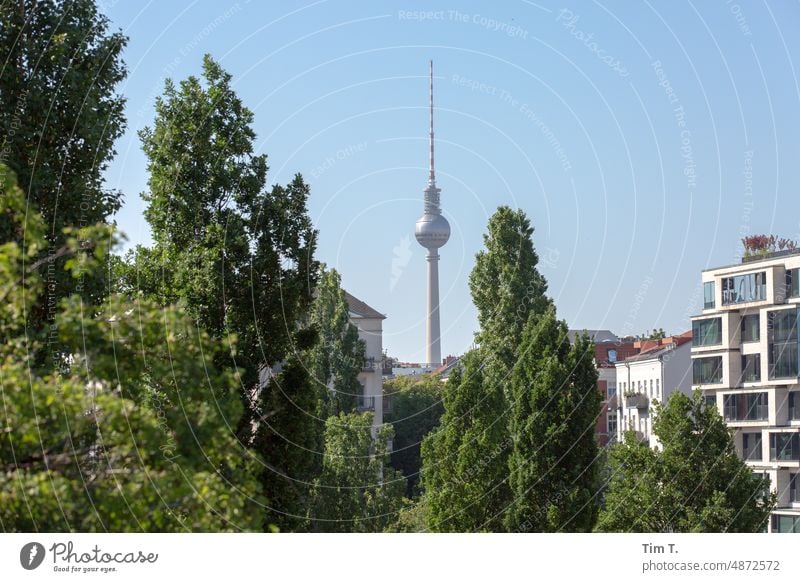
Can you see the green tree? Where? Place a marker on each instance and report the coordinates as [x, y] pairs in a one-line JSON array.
[[553, 464], [695, 484], [358, 491], [415, 411], [241, 258], [462, 458], [60, 116], [338, 355], [506, 285], [466, 461], [130, 429], [292, 458]]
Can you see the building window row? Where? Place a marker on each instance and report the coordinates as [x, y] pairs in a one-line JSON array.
[[737, 407], [744, 288]]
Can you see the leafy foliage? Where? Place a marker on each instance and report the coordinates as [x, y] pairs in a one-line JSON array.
[[695, 484], [553, 464], [241, 259], [466, 461], [416, 410], [358, 491], [338, 355], [130, 430], [60, 116]]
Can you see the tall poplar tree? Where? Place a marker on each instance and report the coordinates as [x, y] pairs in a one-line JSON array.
[[553, 466], [472, 493]]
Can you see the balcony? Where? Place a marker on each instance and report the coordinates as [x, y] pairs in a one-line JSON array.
[[637, 400]]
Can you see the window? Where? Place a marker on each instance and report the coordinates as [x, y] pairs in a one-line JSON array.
[[658, 389], [746, 406], [707, 332], [793, 479], [751, 328], [751, 446], [612, 356], [793, 282], [365, 402], [751, 368], [707, 370], [794, 406], [708, 295], [612, 425], [784, 446], [612, 391], [782, 328], [711, 399], [744, 288], [785, 524]]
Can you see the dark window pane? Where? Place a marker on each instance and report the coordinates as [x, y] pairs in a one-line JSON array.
[[782, 338], [707, 332], [784, 446], [751, 368], [708, 295], [750, 328], [707, 370]]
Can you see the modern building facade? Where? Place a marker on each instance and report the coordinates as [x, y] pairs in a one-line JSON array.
[[369, 323], [660, 368], [745, 360], [432, 232]]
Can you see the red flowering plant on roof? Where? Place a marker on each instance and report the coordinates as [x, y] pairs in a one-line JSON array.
[[762, 244]]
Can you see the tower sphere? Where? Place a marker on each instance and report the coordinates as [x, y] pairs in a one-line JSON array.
[[432, 231]]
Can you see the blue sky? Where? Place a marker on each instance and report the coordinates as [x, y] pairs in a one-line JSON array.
[[643, 140]]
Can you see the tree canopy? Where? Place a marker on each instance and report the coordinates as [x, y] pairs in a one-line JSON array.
[[696, 483]]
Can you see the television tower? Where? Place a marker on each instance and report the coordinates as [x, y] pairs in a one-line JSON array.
[[432, 232]]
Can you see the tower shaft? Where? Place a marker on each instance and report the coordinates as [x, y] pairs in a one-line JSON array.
[[433, 349]]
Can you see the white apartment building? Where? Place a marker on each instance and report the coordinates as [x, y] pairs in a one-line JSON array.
[[745, 359], [369, 323], [649, 376]]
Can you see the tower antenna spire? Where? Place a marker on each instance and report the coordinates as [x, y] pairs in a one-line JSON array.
[[432, 173]]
